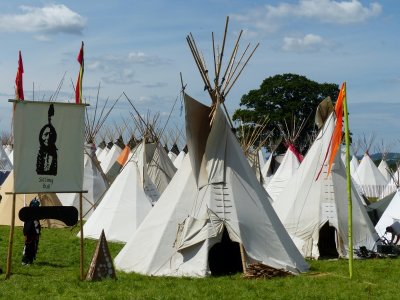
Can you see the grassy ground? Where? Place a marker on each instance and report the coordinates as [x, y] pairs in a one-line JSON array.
[[55, 275]]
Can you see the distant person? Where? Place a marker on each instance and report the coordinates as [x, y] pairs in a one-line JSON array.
[[394, 229], [31, 232]]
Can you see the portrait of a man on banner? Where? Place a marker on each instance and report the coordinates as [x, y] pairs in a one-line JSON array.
[[46, 163], [48, 143]]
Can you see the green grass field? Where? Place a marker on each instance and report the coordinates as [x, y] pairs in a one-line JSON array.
[[55, 275]]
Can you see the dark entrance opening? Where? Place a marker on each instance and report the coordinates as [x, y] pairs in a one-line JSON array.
[[224, 257], [327, 243]]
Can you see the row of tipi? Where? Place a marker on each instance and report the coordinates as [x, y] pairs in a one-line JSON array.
[[209, 209]]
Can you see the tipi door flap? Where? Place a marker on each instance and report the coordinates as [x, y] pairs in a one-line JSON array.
[[193, 231]]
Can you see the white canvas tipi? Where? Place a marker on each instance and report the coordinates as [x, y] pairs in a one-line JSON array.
[[393, 184], [109, 159], [104, 153], [266, 171], [383, 167], [369, 178], [314, 209], [94, 181], [261, 159], [353, 165], [22, 200], [5, 165], [391, 215], [159, 167], [214, 194], [124, 205], [179, 159], [287, 168]]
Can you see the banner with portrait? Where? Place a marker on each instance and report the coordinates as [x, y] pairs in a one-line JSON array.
[[48, 147]]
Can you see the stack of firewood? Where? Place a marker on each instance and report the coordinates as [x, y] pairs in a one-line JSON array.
[[263, 272]]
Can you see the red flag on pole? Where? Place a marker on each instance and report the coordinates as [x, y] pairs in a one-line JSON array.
[[78, 87], [19, 89]]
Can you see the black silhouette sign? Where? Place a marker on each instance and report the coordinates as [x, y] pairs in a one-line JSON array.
[[46, 163], [48, 147]]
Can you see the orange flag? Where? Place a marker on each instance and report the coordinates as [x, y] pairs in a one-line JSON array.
[[78, 87], [19, 89], [337, 133]]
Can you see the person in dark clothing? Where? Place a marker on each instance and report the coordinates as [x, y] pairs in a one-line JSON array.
[[31, 232], [394, 229]]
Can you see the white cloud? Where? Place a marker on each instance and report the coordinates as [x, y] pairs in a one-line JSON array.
[[155, 85], [42, 38], [122, 76], [119, 69], [144, 99], [52, 18], [307, 43], [339, 12], [267, 19]]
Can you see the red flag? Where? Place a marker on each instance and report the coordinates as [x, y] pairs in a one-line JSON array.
[[337, 133], [295, 152], [78, 87], [19, 89]]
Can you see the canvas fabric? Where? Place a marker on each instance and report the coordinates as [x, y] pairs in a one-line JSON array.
[[94, 181], [122, 209], [221, 190], [288, 167], [315, 198], [369, 178]]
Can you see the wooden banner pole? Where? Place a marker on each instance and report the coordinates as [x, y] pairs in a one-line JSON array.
[[81, 236], [11, 240]]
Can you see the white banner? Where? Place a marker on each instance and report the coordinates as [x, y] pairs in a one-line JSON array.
[[48, 147]]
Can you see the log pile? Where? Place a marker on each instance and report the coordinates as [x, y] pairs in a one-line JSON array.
[[257, 270]]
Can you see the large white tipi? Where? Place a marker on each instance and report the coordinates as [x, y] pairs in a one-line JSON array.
[[214, 217], [314, 209], [214, 201]]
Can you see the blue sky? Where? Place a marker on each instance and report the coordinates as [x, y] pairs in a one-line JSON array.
[[139, 47]]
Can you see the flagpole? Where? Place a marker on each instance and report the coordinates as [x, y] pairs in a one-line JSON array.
[[11, 239], [350, 205]]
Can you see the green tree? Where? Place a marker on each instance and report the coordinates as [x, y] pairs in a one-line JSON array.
[[286, 97]]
